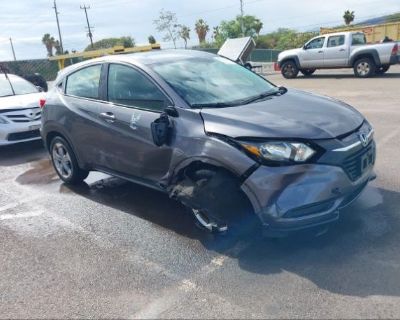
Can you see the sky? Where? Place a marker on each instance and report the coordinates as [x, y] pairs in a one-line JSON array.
[[25, 21]]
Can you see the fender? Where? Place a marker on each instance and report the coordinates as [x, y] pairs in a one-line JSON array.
[[365, 52], [295, 58]]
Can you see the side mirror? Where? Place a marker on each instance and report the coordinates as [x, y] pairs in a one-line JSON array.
[[304, 47], [39, 88], [160, 130], [171, 111]]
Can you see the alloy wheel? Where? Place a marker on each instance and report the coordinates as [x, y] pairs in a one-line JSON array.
[[62, 160]]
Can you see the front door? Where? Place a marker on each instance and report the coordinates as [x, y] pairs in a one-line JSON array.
[[134, 102], [312, 55]]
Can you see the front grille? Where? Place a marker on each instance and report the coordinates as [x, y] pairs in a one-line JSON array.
[[355, 164], [23, 116], [23, 135]]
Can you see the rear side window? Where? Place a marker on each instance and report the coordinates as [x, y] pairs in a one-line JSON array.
[[84, 82], [358, 38], [335, 41], [129, 87]]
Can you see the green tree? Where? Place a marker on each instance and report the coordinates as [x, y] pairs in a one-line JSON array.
[[184, 33], [151, 39], [49, 43], [233, 28], [126, 42], [348, 17], [202, 29], [168, 23], [283, 39], [57, 46]]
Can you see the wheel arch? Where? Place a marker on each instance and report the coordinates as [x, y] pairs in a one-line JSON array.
[[290, 58], [369, 53]]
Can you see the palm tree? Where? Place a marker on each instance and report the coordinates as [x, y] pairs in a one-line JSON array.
[[348, 17], [184, 33], [49, 42], [202, 29], [258, 25]]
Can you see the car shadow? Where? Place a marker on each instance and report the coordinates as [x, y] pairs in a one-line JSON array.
[[21, 153], [358, 256]]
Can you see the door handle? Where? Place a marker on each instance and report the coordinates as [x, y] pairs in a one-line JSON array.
[[107, 116], [320, 51], [342, 50]]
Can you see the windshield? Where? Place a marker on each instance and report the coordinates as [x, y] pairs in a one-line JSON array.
[[212, 81], [21, 86], [5, 87]]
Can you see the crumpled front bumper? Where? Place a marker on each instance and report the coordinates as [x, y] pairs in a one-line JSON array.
[[301, 196]]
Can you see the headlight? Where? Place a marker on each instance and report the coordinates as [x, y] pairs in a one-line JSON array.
[[280, 151], [3, 121]]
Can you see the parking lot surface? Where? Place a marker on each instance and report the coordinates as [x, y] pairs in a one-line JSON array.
[[112, 249]]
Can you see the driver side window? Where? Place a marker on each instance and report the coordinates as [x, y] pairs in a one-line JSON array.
[[316, 43], [129, 87]]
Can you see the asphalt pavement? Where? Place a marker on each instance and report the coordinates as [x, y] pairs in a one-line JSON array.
[[112, 249]]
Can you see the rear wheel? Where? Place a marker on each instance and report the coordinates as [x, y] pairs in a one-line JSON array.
[[65, 163], [364, 68], [382, 69], [289, 69], [307, 72]]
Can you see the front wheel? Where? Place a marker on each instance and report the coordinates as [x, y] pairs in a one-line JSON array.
[[364, 68], [65, 163], [289, 69], [382, 69], [307, 72]]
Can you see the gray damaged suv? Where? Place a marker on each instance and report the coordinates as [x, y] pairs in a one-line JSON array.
[[213, 135]]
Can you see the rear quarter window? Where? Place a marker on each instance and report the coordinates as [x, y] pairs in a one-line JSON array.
[[84, 82]]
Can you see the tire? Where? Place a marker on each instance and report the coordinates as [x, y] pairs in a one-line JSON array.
[[364, 68], [382, 69], [65, 163], [307, 72], [289, 69], [215, 200]]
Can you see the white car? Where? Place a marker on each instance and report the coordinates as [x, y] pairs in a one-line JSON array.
[[20, 112]]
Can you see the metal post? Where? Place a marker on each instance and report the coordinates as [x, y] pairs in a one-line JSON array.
[[58, 26], [241, 15], [88, 25], [12, 48]]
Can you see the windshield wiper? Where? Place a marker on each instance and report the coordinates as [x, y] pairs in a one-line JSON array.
[[280, 91], [212, 105]]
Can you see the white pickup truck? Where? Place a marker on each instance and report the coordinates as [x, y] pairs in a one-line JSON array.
[[339, 50]]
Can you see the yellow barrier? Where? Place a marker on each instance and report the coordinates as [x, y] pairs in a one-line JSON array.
[[102, 52]]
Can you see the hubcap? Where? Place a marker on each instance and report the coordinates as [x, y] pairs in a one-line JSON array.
[[363, 68], [288, 70], [62, 160]]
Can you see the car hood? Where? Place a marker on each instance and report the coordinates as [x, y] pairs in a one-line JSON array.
[[289, 53], [295, 114], [21, 101]]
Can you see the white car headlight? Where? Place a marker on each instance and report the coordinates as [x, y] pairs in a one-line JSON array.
[[280, 151], [3, 120]]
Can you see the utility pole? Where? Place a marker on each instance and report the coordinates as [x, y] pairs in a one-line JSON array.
[[58, 26], [241, 16], [12, 48], [88, 25]]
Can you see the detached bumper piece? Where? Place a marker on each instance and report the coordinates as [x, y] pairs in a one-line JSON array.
[[17, 136]]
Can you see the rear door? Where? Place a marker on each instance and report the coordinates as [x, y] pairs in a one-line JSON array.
[[313, 54], [134, 102], [336, 52], [80, 118]]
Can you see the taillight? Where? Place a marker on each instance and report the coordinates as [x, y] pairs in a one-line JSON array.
[[395, 49], [42, 102]]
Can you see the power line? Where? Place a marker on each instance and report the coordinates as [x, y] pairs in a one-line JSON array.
[[58, 26], [88, 25]]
